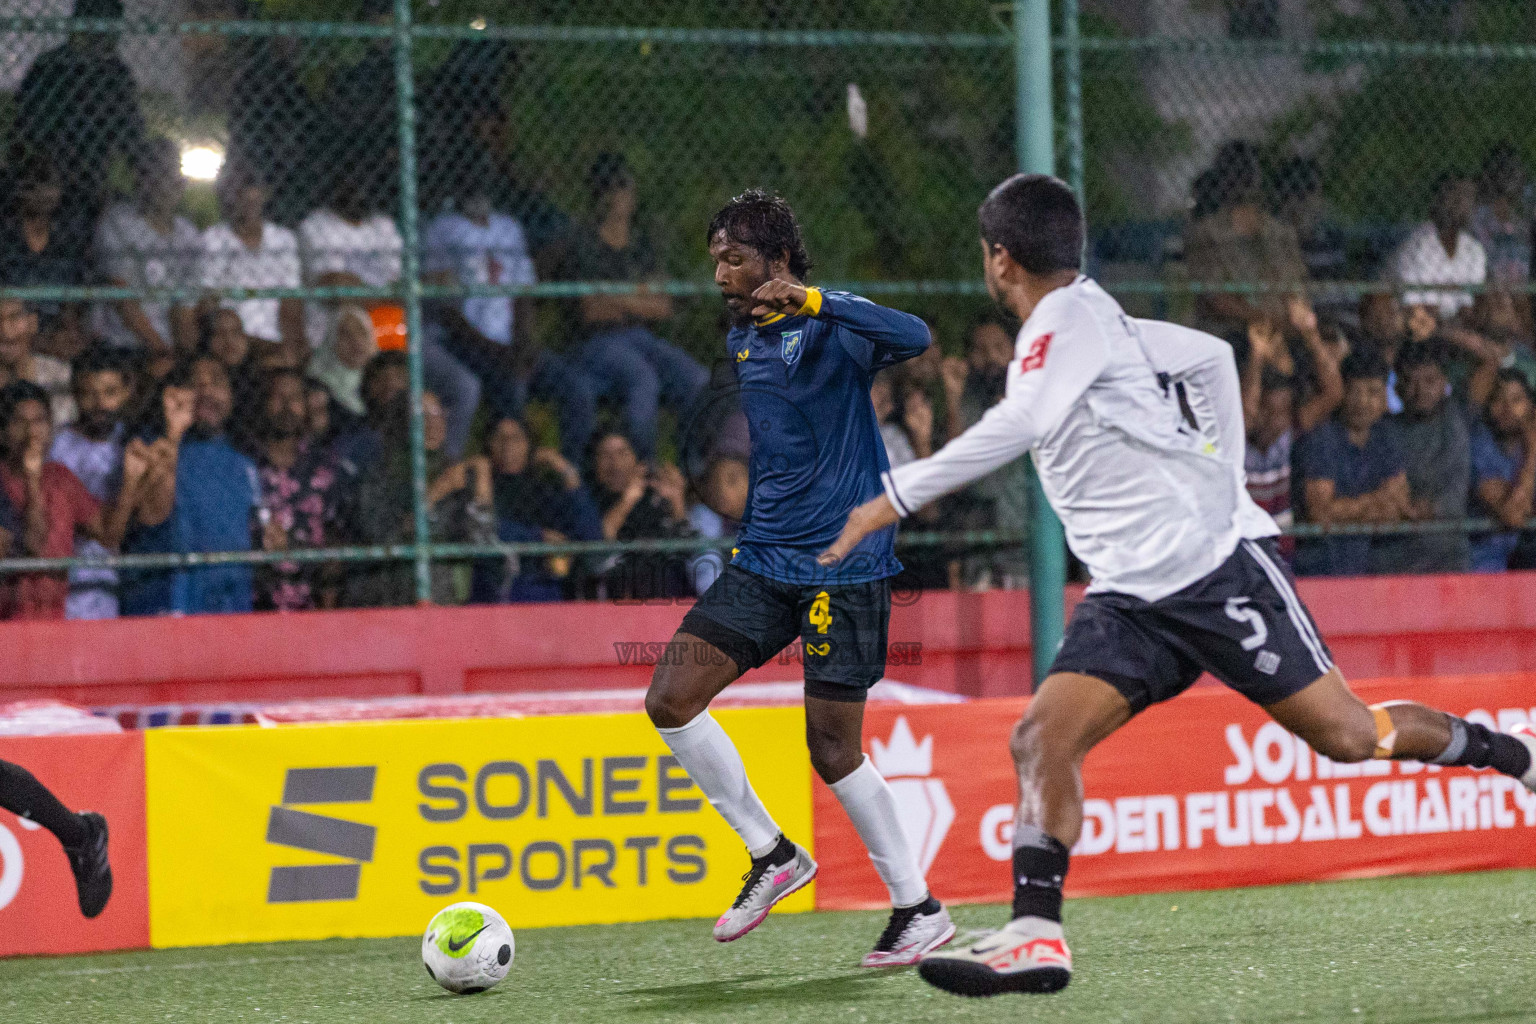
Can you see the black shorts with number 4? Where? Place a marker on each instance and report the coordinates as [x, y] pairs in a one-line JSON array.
[[1243, 624], [844, 628]]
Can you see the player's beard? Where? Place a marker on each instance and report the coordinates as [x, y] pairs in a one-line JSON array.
[[740, 316]]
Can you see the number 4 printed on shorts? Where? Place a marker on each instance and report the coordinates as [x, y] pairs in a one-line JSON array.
[[821, 612], [1237, 613]]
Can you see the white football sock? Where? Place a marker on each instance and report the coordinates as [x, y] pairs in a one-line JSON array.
[[710, 759], [871, 806]]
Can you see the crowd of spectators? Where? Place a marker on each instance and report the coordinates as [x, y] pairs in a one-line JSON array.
[[198, 423], [1410, 406], [201, 423]]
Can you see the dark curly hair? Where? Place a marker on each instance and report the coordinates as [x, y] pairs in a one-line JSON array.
[[764, 223]]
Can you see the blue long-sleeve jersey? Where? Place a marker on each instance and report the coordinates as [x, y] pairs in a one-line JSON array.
[[816, 448]]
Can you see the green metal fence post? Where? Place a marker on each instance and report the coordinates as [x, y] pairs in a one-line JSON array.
[[1072, 87], [410, 283], [1035, 126]]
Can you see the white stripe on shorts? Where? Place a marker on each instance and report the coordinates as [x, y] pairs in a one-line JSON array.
[[1293, 606]]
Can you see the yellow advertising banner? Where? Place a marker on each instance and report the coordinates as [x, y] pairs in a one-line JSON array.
[[367, 829]]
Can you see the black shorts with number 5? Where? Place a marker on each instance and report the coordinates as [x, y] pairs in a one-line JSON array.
[[1243, 624], [752, 618]]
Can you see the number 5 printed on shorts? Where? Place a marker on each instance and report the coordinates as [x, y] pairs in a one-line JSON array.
[[1237, 613]]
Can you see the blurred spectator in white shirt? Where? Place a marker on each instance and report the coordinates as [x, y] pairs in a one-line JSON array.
[[146, 244], [1442, 251], [346, 244], [245, 250]]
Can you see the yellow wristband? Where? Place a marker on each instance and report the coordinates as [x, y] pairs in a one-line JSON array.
[[812, 305]]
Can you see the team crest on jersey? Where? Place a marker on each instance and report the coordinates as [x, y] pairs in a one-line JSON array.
[[791, 347], [1035, 357]]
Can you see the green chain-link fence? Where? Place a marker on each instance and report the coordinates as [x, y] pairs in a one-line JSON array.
[[882, 121], [317, 237]]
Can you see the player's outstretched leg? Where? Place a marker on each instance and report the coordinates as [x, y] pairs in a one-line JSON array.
[[919, 923], [1069, 715], [684, 683], [83, 835], [1338, 725]]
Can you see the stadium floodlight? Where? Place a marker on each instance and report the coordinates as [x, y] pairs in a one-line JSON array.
[[201, 161]]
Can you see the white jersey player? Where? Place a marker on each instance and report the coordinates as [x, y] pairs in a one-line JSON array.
[[1136, 430]]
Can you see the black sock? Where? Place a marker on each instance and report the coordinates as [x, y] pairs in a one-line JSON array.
[[1039, 869], [22, 794], [929, 905], [782, 853], [1477, 746]]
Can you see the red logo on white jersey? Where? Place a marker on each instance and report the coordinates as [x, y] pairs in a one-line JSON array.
[[1035, 357]]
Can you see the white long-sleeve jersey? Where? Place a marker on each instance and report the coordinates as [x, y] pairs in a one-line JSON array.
[[1136, 429]]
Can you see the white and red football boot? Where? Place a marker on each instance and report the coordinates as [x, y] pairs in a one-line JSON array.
[[1028, 954]]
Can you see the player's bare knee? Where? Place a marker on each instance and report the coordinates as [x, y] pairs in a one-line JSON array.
[[667, 702], [1033, 741], [833, 755], [1346, 742]]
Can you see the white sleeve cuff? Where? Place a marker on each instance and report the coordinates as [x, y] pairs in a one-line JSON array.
[[895, 499]]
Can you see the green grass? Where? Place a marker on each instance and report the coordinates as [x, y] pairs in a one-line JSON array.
[[1400, 951]]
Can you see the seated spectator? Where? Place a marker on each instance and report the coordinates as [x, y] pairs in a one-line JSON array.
[[79, 103], [1501, 223], [51, 503], [882, 395], [323, 418], [221, 335], [303, 491], [972, 385], [1299, 200], [468, 135], [1442, 251], [147, 244], [539, 497], [491, 336], [43, 242], [924, 374], [460, 509], [639, 503], [975, 383], [1278, 407], [347, 243], [622, 354], [1432, 433], [201, 495], [1387, 328], [717, 514], [1241, 243], [92, 449], [18, 338], [1309, 377], [245, 250], [338, 363], [1270, 436], [1496, 340], [1504, 475], [1352, 471], [386, 377]]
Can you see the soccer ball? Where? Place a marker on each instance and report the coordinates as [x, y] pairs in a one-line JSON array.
[[467, 948]]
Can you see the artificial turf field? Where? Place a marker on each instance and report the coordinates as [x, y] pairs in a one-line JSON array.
[[1452, 948]]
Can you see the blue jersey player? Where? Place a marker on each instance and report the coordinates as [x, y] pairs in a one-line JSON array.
[[803, 359]]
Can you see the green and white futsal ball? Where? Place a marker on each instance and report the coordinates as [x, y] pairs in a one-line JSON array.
[[467, 948]]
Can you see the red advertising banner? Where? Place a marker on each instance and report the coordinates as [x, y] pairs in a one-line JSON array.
[[38, 909], [1197, 793]]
